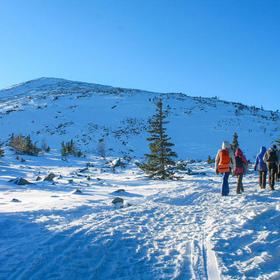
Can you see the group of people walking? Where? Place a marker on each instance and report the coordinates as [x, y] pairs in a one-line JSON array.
[[233, 162]]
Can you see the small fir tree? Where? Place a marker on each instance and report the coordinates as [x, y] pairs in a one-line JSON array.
[[69, 148], [159, 162], [210, 160], [235, 143]]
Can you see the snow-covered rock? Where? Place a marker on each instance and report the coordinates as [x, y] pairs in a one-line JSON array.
[[15, 200], [77, 191], [50, 177], [118, 202], [119, 191], [20, 181]]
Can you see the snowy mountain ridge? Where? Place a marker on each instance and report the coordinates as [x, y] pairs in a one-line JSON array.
[[55, 110]]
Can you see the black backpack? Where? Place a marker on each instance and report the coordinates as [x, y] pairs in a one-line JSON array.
[[238, 162], [271, 156]]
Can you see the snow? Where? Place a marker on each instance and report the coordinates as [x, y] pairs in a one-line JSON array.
[[69, 228], [55, 110], [166, 230]]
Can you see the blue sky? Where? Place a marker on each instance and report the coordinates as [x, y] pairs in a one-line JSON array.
[[226, 48]]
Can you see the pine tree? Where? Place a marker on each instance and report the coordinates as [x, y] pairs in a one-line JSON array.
[[23, 145], [235, 143], [210, 160], [159, 163], [69, 148]]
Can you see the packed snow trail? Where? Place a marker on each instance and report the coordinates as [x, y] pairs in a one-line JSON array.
[[173, 230]]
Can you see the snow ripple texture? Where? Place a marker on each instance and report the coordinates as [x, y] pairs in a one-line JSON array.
[[173, 230]]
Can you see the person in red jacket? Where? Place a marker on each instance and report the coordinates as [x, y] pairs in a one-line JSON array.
[[240, 169]]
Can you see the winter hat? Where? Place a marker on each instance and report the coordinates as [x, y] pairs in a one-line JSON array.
[[226, 145], [263, 150]]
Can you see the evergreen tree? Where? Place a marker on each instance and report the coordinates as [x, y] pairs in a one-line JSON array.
[[235, 143], [69, 148], [159, 163], [23, 145], [210, 160]]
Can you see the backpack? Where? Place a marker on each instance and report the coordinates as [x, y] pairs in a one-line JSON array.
[[271, 156], [238, 162], [262, 165], [224, 164]]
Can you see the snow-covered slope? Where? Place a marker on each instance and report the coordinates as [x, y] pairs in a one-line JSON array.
[[68, 228], [172, 230], [56, 110]]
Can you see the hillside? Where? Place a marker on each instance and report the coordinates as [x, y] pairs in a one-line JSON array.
[[87, 218], [54, 110], [166, 229]]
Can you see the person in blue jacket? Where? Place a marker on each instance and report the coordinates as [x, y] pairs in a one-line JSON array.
[[260, 165]]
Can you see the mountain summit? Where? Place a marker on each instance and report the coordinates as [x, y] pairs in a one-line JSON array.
[[56, 110]]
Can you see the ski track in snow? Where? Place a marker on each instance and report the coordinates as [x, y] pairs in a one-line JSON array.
[[173, 230]]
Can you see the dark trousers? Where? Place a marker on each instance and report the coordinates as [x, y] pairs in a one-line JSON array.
[[225, 185], [262, 179], [272, 176], [239, 188]]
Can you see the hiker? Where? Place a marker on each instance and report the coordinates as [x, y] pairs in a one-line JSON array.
[[260, 165], [224, 165], [240, 169], [271, 160], [278, 156]]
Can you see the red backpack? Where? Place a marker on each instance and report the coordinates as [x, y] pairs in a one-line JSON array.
[[224, 163]]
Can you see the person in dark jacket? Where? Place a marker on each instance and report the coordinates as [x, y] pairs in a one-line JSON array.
[[271, 160], [260, 165], [278, 156], [240, 169]]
